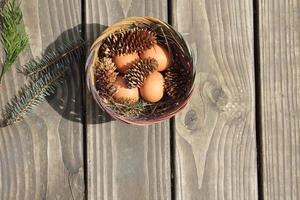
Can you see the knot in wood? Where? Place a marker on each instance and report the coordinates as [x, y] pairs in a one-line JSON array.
[[190, 120], [219, 98]]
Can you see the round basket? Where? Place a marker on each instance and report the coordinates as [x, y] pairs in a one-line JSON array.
[[180, 53]]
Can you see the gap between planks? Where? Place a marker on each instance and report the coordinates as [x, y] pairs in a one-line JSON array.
[[257, 80], [84, 143]]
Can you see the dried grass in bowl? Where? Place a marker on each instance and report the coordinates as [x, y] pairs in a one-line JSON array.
[[179, 77]]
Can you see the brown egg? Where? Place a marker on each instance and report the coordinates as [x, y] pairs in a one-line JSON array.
[[122, 61], [160, 54], [125, 93], [153, 88]]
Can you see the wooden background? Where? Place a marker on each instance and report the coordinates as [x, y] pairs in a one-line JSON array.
[[237, 139]]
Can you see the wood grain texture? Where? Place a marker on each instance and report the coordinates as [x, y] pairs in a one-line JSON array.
[[215, 134], [41, 157], [125, 161], [280, 98]]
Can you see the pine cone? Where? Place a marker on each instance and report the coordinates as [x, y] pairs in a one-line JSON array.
[[176, 81], [128, 41], [138, 71], [105, 76]]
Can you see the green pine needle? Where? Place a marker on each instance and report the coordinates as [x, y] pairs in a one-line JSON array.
[[13, 35], [64, 55], [32, 95], [129, 109], [45, 76]]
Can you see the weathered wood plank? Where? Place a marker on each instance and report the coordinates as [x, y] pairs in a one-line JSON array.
[[125, 161], [41, 157], [280, 97], [215, 135]]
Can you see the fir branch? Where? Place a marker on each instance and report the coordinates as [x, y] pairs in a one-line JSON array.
[[62, 56], [46, 75], [32, 95], [13, 35]]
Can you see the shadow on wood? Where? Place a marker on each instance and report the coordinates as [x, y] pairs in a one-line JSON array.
[[69, 105], [68, 100]]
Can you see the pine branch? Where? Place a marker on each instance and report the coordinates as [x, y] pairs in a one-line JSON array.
[[32, 95], [13, 35], [62, 56], [45, 75]]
